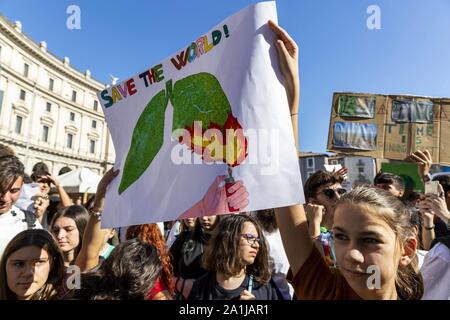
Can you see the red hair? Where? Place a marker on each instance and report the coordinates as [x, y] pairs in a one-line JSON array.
[[150, 233]]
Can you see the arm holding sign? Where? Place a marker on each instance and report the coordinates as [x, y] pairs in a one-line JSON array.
[[93, 238], [288, 57], [292, 220], [424, 162]]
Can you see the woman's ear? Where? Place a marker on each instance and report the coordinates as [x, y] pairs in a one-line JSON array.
[[409, 249]]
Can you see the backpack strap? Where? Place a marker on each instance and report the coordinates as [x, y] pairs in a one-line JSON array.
[[30, 219]]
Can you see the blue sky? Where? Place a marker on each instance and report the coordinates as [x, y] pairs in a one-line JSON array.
[[410, 54]]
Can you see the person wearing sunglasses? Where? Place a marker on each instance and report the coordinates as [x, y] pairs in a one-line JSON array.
[[322, 191], [237, 262]]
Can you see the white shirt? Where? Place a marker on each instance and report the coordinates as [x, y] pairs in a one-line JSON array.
[[421, 254], [173, 234], [279, 262], [436, 273], [11, 223]]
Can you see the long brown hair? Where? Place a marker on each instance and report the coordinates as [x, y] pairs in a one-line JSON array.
[[78, 214], [41, 239], [408, 282], [222, 252], [184, 227], [150, 233]]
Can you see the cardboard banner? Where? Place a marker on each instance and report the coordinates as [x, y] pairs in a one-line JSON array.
[[358, 117], [202, 119], [444, 133], [389, 126]]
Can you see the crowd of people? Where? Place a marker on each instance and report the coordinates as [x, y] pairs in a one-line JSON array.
[[331, 247]]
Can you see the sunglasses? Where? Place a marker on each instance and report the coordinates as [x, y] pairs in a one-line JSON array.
[[330, 193], [251, 239]]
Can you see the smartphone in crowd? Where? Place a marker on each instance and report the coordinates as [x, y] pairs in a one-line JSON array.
[[432, 187]]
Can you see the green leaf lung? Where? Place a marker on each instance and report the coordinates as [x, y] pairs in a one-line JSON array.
[[199, 97], [148, 137]]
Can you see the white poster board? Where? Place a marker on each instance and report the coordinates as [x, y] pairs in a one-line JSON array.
[[228, 78]]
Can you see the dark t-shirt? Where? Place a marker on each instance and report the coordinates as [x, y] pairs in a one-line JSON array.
[[440, 228], [187, 252], [207, 288]]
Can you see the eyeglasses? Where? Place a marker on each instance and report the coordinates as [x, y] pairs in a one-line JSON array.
[[330, 193], [251, 239]]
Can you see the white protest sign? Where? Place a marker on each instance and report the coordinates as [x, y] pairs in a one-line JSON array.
[[216, 109]]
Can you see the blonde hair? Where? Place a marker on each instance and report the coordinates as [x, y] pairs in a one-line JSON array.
[[408, 282]]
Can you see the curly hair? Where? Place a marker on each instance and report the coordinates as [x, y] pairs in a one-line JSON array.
[[78, 214], [222, 253], [150, 233]]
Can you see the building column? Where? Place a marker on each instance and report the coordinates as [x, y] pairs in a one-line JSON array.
[[4, 124]]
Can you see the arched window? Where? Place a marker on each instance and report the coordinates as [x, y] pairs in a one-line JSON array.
[[64, 170]]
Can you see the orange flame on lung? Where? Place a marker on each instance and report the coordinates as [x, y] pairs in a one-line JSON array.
[[226, 144]]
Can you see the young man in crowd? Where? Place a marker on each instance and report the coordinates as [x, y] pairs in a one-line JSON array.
[[12, 219], [322, 190], [390, 182]]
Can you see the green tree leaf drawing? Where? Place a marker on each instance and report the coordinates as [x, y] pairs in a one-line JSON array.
[[147, 140], [199, 97]]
